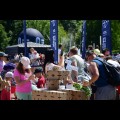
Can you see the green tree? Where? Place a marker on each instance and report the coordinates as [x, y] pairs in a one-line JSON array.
[[16, 28], [73, 27], [94, 28], [3, 38], [115, 32], [13, 29], [41, 25]]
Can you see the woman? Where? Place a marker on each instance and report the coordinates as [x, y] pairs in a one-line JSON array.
[[22, 76], [50, 65], [49, 61]]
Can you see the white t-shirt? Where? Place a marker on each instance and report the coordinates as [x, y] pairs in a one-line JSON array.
[[115, 63]]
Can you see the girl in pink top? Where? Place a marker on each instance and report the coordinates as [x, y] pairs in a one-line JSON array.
[[23, 75]]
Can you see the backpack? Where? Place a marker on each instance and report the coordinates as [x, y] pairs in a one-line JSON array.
[[113, 73]]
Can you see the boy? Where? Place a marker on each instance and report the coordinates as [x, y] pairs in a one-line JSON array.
[[41, 80]]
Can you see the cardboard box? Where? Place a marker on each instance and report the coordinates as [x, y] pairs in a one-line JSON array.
[[39, 95], [48, 95], [57, 75], [53, 75], [69, 93], [79, 95], [56, 95], [75, 94], [52, 84]]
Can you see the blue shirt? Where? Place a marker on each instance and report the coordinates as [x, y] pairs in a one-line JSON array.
[[102, 80]]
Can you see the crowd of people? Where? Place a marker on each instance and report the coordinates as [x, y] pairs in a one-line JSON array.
[[20, 76]]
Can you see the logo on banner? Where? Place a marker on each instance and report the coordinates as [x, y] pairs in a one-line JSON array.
[[53, 22], [106, 42], [83, 39], [54, 42], [104, 33], [82, 43], [105, 23]]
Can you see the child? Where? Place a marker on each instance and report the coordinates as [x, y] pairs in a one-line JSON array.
[[6, 91], [41, 80], [1, 86]]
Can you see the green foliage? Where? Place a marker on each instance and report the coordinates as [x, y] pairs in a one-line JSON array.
[[62, 34], [77, 86], [86, 89], [41, 25], [72, 28], [3, 38], [16, 28], [93, 32], [115, 51], [115, 29], [12, 29]]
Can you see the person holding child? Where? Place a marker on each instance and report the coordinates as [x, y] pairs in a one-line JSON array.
[[6, 91]]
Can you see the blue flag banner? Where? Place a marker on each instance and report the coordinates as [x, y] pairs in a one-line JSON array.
[[83, 39], [25, 40], [106, 35], [54, 38]]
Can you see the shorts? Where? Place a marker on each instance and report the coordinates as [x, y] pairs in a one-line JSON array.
[[24, 96], [105, 93]]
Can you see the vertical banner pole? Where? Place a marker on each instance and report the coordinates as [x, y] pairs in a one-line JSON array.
[[54, 38], [25, 40], [83, 39]]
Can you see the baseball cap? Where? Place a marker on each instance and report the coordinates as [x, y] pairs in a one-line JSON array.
[[97, 51], [38, 70], [26, 62], [2, 54], [9, 66], [9, 74]]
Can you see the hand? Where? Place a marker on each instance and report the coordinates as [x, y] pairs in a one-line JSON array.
[[85, 83], [70, 82], [32, 77]]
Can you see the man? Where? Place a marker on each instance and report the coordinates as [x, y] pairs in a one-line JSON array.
[[77, 63], [106, 52], [98, 76]]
